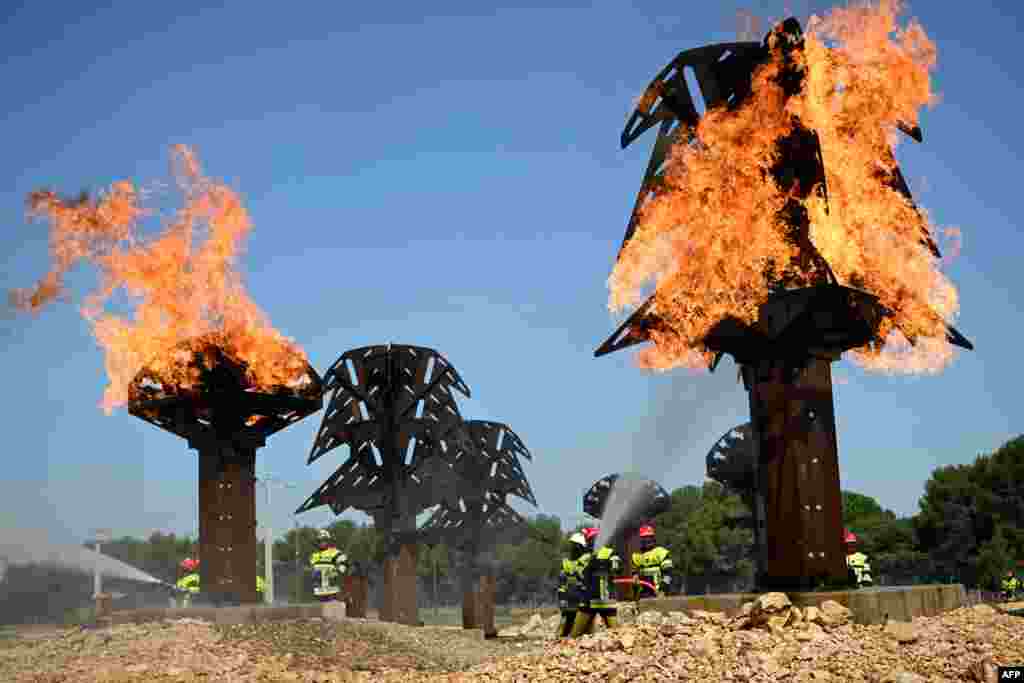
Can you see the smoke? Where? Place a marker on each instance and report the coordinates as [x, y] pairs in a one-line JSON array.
[[687, 412], [25, 547]]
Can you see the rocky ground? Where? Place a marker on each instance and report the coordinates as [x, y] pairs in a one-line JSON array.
[[769, 640]]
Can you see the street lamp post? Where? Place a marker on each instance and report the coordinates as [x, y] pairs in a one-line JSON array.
[[298, 566], [268, 537], [99, 536]]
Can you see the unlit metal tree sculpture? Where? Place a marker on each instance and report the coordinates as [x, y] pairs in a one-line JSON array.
[[226, 420], [731, 463], [394, 407], [474, 515], [807, 320]]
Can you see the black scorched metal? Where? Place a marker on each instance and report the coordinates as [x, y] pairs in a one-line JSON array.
[[394, 407], [474, 515]]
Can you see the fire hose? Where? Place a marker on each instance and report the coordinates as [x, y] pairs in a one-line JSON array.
[[637, 582]]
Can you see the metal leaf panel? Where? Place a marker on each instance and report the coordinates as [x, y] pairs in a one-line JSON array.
[[475, 528], [473, 513], [596, 497], [394, 407], [731, 460]]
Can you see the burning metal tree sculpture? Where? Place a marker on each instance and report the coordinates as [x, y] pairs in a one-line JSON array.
[[393, 406], [197, 356], [640, 501], [474, 515], [226, 419], [776, 304]]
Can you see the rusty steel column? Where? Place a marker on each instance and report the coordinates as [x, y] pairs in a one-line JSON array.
[[470, 609], [478, 604], [386, 599], [485, 605], [356, 595], [798, 516], [227, 524], [399, 600]]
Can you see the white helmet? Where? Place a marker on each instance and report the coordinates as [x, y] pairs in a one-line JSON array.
[[323, 535]]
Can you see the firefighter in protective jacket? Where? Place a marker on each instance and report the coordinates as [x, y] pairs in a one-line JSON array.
[[188, 584], [569, 586], [596, 571], [330, 565], [1010, 585], [652, 566], [857, 562]]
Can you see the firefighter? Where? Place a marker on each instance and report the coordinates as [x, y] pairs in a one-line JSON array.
[[856, 562], [330, 565], [1010, 585], [596, 569], [651, 565], [260, 583], [188, 584], [569, 584]]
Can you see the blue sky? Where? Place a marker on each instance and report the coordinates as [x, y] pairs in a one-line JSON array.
[[452, 178]]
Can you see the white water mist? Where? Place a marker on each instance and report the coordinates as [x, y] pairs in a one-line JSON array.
[[19, 547], [627, 497]]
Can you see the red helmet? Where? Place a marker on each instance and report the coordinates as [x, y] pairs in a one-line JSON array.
[[849, 537], [189, 565], [647, 531], [590, 533]]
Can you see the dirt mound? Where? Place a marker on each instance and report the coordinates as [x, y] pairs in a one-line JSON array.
[[769, 639], [293, 650]]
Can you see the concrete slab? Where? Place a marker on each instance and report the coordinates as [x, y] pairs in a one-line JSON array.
[[869, 605], [245, 614]]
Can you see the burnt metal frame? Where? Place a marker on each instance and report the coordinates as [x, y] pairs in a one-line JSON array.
[[226, 422], [474, 515], [394, 407], [785, 356]]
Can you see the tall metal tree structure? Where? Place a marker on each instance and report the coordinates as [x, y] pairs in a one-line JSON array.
[[474, 515], [808, 320], [394, 407], [227, 420]]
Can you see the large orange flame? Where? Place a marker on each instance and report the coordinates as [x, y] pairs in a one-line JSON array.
[[185, 288], [707, 239]]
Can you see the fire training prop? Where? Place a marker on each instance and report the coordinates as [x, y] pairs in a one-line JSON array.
[[226, 419], [394, 406], [474, 516], [807, 320]]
